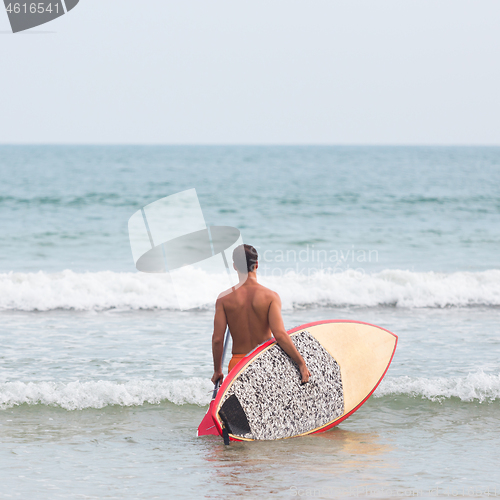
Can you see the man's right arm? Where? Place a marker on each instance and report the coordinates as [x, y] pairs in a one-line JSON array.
[[283, 339], [220, 324]]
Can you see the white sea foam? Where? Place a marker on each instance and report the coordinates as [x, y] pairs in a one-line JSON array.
[[104, 290], [390, 287], [82, 395], [477, 386]]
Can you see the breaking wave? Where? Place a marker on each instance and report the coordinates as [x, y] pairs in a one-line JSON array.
[[83, 395], [42, 291], [477, 386]]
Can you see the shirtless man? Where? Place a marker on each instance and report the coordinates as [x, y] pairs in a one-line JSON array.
[[253, 314]]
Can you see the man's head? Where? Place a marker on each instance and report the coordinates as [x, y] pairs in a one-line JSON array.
[[245, 259]]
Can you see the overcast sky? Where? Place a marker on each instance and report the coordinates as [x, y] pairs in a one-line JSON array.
[[259, 72]]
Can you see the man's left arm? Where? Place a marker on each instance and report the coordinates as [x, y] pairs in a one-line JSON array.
[[220, 325]]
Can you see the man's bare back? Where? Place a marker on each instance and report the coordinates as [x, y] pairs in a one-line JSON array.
[[253, 314], [247, 311]]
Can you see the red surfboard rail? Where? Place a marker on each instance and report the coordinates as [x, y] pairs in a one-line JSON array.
[[247, 359], [207, 426]]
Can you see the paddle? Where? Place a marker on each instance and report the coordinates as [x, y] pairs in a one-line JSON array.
[[207, 425], [226, 342]]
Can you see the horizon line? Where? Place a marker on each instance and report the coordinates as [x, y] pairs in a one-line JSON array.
[[277, 144]]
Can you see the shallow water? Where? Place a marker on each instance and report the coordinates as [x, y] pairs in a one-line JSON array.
[[152, 452], [107, 404]]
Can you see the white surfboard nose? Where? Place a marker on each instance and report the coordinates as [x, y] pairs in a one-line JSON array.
[[363, 352]]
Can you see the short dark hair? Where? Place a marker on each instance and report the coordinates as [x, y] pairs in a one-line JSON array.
[[251, 258]]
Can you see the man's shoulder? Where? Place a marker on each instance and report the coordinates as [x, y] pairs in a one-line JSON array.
[[267, 292], [224, 294], [264, 288]]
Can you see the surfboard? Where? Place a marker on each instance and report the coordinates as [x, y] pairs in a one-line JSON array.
[[262, 398]]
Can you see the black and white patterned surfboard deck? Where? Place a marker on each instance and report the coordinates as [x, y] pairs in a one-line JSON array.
[[267, 400]]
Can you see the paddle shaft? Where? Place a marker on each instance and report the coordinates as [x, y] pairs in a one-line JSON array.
[[224, 350]]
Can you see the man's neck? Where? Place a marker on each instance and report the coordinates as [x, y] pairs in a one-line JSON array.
[[249, 279]]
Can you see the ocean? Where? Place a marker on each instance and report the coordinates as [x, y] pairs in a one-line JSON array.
[[104, 380]]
